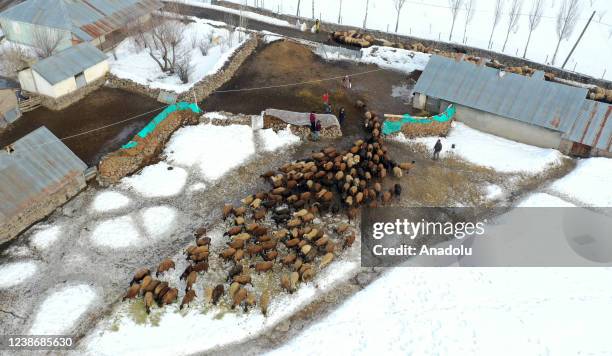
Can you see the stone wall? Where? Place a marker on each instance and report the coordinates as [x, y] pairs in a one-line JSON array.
[[271, 122], [42, 207], [125, 161], [507, 60], [204, 87], [67, 100]]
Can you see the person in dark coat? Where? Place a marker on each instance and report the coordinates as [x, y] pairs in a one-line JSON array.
[[437, 149], [313, 120], [317, 130], [341, 116]]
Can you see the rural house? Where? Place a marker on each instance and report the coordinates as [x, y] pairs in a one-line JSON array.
[[38, 174], [521, 108], [72, 21], [9, 106], [65, 72]]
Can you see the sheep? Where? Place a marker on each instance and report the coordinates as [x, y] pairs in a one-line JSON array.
[[263, 266], [190, 295], [148, 301], [164, 266], [170, 296], [190, 281], [132, 292], [140, 274], [217, 293]]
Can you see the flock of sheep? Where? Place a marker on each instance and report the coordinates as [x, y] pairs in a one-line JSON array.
[[280, 231]]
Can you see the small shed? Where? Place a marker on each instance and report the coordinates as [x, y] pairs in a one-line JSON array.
[[38, 173], [9, 106], [65, 72]]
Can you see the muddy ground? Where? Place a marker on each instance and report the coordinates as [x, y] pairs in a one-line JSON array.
[[104, 106]]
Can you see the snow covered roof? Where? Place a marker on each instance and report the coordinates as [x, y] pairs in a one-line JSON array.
[[86, 19], [532, 100], [39, 165], [302, 118], [69, 62]]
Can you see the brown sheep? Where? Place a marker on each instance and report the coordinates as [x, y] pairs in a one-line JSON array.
[[151, 287], [228, 253], [242, 279], [203, 241], [238, 255], [145, 282], [191, 279], [239, 297], [170, 296], [227, 211], [200, 267], [188, 298], [254, 249], [164, 266], [234, 271], [348, 242], [148, 301], [264, 302], [263, 266], [140, 274], [217, 293], [161, 286], [132, 292], [271, 255], [234, 231]]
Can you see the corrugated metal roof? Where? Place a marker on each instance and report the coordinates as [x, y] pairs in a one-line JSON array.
[[531, 100], [40, 165], [593, 126], [69, 62], [87, 19], [6, 83]]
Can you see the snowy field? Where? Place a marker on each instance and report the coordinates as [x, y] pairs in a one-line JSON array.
[[396, 59], [589, 183], [468, 311], [491, 151], [131, 61], [431, 19]]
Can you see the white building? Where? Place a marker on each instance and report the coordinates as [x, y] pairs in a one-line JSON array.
[[65, 72]]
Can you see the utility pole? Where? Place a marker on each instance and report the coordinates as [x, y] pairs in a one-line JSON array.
[[578, 41]]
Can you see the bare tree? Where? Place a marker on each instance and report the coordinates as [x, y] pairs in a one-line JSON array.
[[340, 13], [14, 59], [46, 41], [163, 42], [398, 7], [566, 22], [513, 17], [365, 19], [535, 16], [243, 24], [231, 29], [470, 8], [297, 14], [183, 67], [454, 6], [499, 6]]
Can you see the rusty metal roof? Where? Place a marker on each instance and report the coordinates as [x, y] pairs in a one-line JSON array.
[[86, 19], [69, 62], [593, 127], [531, 100], [40, 165]]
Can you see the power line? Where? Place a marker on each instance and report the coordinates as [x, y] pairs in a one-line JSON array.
[[216, 91]]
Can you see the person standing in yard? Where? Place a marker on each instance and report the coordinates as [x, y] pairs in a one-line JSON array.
[[341, 116], [326, 101], [317, 130], [313, 123], [346, 82], [437, 149]]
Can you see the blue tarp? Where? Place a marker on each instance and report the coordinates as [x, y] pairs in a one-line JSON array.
[[161, 117], [390, 127]]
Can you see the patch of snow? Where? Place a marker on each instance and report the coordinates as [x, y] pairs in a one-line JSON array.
[[402, 60], [116, 233], [12, 274], [135, 63], [158, 180], [158, 220], [401, 91], [197, 187], [543, 200], [18, 251], [270, 37], [250, 15], [179, 334], [275, 140], [589, 183], [45, 237], [214, 115], [450, 311], [109, 200], [494, 191], [491, 151], [59, 312], [215, 150]]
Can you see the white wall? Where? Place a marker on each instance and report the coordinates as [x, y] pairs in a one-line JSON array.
[[26, 80], [96, 72]]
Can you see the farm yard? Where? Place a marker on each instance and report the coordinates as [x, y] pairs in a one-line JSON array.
[[238, 234]]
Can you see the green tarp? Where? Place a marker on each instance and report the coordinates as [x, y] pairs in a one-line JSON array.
[[161, 117], [390, 127]]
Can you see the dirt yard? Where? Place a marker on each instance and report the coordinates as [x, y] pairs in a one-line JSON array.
[[103, 107]]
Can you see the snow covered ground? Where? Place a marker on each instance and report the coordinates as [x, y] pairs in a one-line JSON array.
[[62, 309], [13, 274], [431, 19], [468, 311], [130, 61], [589, 183], [385, 57], [491, 151]]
